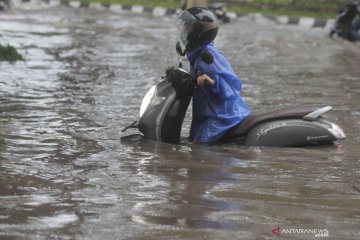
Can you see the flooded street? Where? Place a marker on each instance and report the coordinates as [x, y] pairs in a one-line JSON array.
[[65, 173]]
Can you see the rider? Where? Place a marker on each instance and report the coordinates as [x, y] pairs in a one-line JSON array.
[[217, 103], [345, 25]]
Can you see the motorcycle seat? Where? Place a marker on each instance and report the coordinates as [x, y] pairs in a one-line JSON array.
[[253, 119]]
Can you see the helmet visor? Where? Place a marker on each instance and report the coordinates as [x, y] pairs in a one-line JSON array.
[[185, 22], [202, 22]]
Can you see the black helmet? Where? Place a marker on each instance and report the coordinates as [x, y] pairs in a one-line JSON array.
[[198, 26]]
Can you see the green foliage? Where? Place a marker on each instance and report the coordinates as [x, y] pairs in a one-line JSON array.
[[9, 53], [311, 8], [314, 8], [164, 3]]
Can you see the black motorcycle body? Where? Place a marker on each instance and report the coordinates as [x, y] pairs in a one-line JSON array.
[[164, 107]]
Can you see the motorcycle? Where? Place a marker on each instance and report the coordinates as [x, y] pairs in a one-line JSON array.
[[4, 5], [164, 106], [347, 24], [220, 10]]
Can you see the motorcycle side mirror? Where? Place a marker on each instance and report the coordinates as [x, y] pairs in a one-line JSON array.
[[206, 57], [180, 52], [178, 49]]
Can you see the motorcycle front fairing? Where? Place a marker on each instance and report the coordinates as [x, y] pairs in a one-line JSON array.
[[164, 107]]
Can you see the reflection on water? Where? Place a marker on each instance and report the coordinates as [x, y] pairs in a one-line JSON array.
[[65, 171], [186, 199]]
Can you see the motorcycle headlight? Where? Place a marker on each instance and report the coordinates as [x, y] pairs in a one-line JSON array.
[[146, 100]]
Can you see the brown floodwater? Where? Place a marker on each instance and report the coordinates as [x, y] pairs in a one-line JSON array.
[[67, 173]]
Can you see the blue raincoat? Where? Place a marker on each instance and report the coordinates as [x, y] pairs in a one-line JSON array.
[[216, 108]]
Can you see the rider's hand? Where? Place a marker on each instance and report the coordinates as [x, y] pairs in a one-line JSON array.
[[204, 79]]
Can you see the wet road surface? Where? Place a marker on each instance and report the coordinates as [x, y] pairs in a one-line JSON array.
[[65, 173]]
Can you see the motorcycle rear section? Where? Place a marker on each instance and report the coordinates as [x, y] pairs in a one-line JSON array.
[[288, 127]]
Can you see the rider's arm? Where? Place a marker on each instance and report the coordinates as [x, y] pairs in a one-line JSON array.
[[204, 79]]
